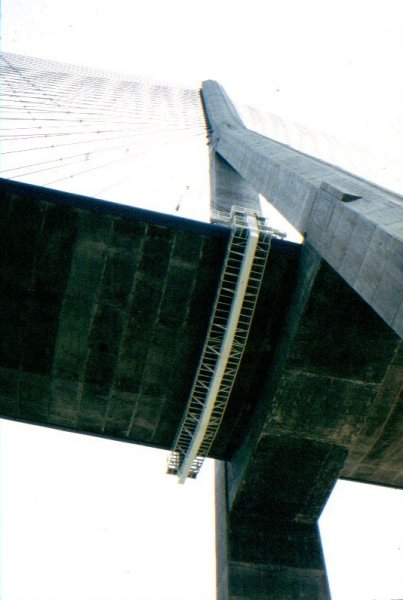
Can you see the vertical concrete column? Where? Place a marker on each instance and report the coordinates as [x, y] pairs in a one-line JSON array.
[[228, 188], [264, 556]]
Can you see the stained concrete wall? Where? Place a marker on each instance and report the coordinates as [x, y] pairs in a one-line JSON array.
[[327, 405], [94, 298], [103, 313], [320, 399], [262, 556], [262, 552]]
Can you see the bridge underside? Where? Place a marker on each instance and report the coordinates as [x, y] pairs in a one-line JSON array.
[[104, 313]]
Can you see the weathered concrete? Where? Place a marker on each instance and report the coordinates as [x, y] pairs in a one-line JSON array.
[[260, 552], [329, 406], [331, 373], [320, 399], [336, 372], [228, 188], [262, 556], [104, 311], [103, 314], [355, 226]]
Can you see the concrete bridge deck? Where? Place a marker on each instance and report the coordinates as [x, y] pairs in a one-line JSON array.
[[105, 309], [104, 313]]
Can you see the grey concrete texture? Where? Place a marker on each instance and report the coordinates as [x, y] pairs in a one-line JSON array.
[[332, 365], [261, 556], [277, 582], [228, 188], [329, 407], [356, 226], [330, 397], [103, 313]]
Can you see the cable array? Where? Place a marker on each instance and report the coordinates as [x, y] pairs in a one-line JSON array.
[[101, 134]]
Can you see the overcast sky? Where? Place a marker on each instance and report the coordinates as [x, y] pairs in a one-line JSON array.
[[334, 67]]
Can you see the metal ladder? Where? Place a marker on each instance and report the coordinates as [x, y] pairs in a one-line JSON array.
[[230, 322]]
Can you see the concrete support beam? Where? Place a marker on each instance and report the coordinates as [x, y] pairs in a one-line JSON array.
[[264, 557], [356, 226]]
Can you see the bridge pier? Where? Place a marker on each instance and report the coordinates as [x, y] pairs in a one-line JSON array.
[[265, 557]]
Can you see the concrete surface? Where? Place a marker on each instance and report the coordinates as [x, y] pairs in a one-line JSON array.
[[104, 311], [329, 400], [356, 226], [103, 314]]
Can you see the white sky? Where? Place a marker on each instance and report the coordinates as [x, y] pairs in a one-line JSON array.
[[332, 66], [90, 519]]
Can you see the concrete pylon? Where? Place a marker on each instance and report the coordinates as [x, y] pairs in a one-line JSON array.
[[356, 226], [267, 537], [265, 557], [228, 188], [259, 556]]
